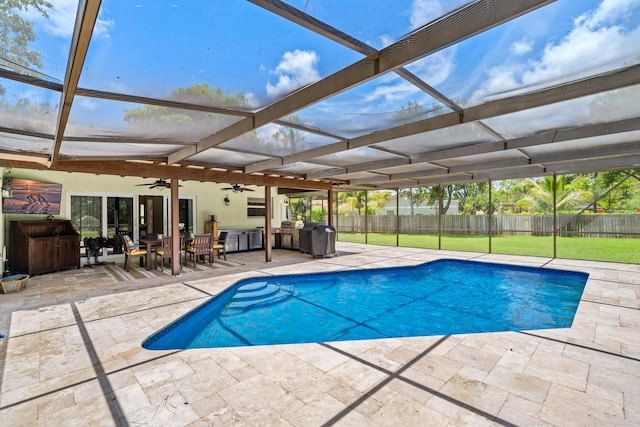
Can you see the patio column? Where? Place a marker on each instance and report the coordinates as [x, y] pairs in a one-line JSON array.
[[490, 216], [175, 229], [330, 207], [555, 218], [267, 223], [397, 217]]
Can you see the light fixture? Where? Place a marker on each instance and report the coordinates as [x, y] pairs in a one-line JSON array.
[[226, 200], [7, 189]]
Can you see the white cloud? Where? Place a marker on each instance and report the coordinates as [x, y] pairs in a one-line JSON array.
[[424, 11], [88, 104], [608, 12], [62, 18], [597, 43], [385, 40], [296, 69], [521, 47], [433, 69]]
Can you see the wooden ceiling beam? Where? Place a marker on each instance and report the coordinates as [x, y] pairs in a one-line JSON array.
[[148, 170]]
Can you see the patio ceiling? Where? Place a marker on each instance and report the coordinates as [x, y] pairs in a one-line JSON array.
[[366, 95]]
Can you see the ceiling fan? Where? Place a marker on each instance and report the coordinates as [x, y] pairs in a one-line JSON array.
[[236, 188], [158, 183]]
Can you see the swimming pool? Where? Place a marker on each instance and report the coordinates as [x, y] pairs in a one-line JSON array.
[[437, 298]]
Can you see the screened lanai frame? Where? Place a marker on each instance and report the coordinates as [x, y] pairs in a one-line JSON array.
[[579, 232], [326, 130]]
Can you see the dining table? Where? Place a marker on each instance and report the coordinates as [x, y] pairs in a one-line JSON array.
[[150, 244]]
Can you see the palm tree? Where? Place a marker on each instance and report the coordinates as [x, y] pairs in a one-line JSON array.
[[351, 201], [539, 197]]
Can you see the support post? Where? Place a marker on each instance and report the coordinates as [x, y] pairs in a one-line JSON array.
[[397, 217], [555, 218], [267, 223], [490, 216], [175, 229]]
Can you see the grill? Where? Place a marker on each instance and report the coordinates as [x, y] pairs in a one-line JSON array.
[[318, 239], [287, 236]]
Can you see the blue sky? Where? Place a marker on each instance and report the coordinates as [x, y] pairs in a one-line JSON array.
[[150, 47]]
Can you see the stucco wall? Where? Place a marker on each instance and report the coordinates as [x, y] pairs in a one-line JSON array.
[[208, 197]]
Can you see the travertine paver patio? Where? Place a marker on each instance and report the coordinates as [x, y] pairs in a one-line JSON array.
[[72, 357]]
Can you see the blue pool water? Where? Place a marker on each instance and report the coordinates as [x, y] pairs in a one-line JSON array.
[[437, 298]]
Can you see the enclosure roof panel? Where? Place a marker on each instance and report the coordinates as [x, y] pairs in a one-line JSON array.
[[372, 94]]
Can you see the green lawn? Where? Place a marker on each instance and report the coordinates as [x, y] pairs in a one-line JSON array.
[[588, 248]]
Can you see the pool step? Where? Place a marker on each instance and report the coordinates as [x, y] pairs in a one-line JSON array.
[[258, 290], [257, 294]]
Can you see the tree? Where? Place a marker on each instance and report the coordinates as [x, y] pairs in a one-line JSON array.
[[16, 33], [376, 199], [615, 186], [350, 201], [318, 214], [570, 192], [203, 93], [472, 197], [415, 195], [299, 208], [440, 192], [288, 135], [414, 110]]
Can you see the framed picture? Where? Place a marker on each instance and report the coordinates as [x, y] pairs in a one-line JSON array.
[[24, 196]]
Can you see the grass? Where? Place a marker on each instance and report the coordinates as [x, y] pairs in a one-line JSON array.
[[587, 248]]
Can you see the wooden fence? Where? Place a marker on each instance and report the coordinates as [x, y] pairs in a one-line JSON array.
[[585, 225]]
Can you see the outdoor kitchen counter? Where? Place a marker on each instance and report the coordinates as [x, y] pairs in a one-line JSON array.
[[244, 239]]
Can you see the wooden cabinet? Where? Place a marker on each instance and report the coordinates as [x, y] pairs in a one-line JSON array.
[[211, 227], [38, 247]]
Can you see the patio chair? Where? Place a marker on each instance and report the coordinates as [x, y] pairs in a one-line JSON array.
[[165, 251], [200, 245], [219, 245], [132, 250]]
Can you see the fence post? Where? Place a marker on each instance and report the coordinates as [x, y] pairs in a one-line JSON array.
[[366, 218]]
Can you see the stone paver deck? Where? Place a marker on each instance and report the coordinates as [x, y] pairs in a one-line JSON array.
[[72, 357]]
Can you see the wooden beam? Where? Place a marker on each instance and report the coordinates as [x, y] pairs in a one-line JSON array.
[[146, 170], [85, 21]]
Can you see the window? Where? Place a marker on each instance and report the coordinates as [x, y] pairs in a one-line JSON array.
[[86, 215], [255, 207]]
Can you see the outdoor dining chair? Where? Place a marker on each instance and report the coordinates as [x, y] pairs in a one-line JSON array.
[[132, 250], [200, 245], [165, 251]]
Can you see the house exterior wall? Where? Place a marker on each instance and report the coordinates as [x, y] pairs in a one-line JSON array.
[[208, 198], [405, 208]]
